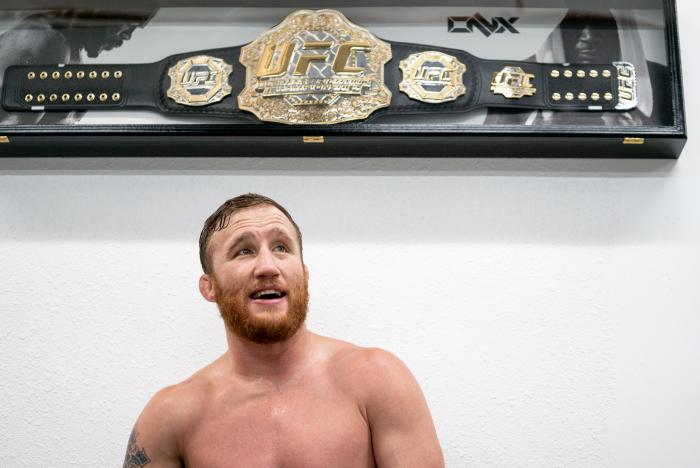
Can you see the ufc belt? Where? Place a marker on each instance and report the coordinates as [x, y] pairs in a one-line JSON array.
[[318, 68]]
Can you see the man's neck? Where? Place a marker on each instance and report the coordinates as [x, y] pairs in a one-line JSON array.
[[274, 362]]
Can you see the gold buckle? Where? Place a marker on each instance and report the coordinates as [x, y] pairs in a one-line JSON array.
[[316, 67]]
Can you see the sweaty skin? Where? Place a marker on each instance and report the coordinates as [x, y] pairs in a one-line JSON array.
[[306, 402]]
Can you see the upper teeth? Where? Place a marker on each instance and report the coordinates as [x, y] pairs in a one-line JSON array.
[[267, 291]]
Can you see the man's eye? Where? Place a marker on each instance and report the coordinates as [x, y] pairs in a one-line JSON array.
[[281, 248], [244, 252]]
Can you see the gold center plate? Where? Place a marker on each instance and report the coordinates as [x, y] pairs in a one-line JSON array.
[[316, 67]]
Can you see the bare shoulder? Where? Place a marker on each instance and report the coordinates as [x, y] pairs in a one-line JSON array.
[[367, 370], [183, 401], [158, 433], [403, 433], [349, 353], [172, 408], [176, 403], [40, 43]]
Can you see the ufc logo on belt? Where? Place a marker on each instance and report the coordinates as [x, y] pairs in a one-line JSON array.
[[199, 78], [625, 82], [275, 63]]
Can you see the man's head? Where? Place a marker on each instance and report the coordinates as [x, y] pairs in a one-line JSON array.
[[251, 253], [97, 30], [590, 38]]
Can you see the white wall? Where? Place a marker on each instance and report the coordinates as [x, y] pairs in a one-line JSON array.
[[549, 308]]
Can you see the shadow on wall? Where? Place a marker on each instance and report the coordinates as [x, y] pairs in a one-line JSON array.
[[345, 200], [360, 165]]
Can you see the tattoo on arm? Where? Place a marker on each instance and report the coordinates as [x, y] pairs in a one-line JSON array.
[[135, 457]]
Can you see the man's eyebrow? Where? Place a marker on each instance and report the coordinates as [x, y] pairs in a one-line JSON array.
[[238, 239], [279, 232], [246, 236]]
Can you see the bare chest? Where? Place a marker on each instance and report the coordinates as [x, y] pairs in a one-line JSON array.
[[302, 428]]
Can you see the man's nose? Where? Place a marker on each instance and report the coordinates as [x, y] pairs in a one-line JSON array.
[[265, 265], [586, 34]]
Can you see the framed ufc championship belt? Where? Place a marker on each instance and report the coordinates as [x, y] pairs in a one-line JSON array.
[[480, 80]]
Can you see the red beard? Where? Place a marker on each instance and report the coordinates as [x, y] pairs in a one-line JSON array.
[[263, 330]]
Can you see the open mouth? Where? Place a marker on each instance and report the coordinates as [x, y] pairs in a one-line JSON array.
[[268, 294]]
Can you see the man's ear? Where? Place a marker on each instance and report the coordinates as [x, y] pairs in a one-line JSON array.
[[206, 288]]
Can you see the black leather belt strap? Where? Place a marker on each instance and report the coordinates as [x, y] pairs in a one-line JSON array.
[[110, 87], [593, 81]]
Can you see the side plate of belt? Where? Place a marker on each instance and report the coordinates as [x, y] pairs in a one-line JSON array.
[[318, 68]]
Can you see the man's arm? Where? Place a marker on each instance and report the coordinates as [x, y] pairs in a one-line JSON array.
[[403, 434], [135, 457], [154, 440]]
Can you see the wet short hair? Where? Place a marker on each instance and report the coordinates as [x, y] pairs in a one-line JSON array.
[[220, 218]]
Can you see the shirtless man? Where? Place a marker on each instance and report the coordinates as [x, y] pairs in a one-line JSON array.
[[280, 396]]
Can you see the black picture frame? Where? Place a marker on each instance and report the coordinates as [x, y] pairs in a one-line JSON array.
[[662, 137]]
